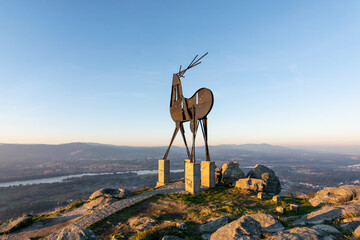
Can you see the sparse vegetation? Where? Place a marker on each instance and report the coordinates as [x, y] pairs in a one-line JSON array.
[[20, 223], [193, 210], [157, 233]]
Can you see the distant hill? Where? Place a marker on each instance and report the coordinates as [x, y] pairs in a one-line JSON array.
[[95, 151], [351, 149]]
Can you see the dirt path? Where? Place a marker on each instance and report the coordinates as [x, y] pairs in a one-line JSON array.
[[51, 227]]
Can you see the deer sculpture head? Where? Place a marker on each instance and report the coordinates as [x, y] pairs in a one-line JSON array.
[[185, 109]]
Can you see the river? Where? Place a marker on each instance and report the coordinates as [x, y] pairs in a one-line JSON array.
[[66, 177]]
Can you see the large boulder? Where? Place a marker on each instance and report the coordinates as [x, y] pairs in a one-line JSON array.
[[252, 184], [350, 224], [335, 195], [218, 175], [230, 172], [326, 228], [301, 233], [327, 213], [350, 209], [142, 223], [214, 224], [75, 233], [99, 202], [268, 222], [273, 185], [110, 192], [357, 233], [243, 228]]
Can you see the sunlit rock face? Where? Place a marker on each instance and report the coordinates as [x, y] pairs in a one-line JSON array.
[[336, 195], [273, 185], [230, 172]]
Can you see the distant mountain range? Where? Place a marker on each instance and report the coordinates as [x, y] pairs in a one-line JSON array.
[[88, 151]]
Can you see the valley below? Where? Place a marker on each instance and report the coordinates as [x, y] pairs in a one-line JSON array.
[[299, 171]]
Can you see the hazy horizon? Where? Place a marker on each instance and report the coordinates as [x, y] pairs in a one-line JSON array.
[[353, 149]]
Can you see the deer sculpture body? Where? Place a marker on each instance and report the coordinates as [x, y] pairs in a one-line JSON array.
[[194, 110]]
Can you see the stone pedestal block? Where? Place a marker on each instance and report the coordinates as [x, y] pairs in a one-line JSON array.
[[294, 207], [261, 195], [276, 198], [192, 177], [280, 209], [207, 174], [164, 172]]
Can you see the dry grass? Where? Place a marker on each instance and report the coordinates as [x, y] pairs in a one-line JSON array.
[[193, 210]]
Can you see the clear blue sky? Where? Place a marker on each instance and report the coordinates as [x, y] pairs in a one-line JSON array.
[[282, 72]]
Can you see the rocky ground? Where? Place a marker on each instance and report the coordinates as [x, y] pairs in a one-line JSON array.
[[96, 208], [244, 206]]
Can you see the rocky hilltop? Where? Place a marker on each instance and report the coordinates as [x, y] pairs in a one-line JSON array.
[[241, 206]]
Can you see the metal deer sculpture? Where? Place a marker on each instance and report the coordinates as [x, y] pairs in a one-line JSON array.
[[193, 110]]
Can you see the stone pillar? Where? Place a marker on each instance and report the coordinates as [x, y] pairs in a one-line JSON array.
[[261, 195], [164, 172], [276, 198], [192, 177], [207, 174]]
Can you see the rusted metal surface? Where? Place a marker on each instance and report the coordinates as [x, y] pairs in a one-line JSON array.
[[194, 110]]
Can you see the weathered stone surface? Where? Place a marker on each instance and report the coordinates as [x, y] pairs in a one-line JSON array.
[[294, 207], [110, 192], [163, 172], [192, 177], [351, 208], [171, 237], [285, 235], [252, 184], [350, 223], [181, 225], [231, 172], [100, 202], [273, 185], [16, 224], [333, 195], [243, 228], [301, 233], [214, 224], [142, 223], [207, 174], [351, 226], [276, 198], [261, 195], [124, 193], [268, 222], [357, 232], [75, 233], [325, 214], [280, 209], [328, 213], [218, 175], [205, 236], [326, 228], [301, 221]]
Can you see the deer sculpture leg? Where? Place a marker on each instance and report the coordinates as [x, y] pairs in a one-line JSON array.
[[177, 127], [193, 127], [203, 123], [183, 135]]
